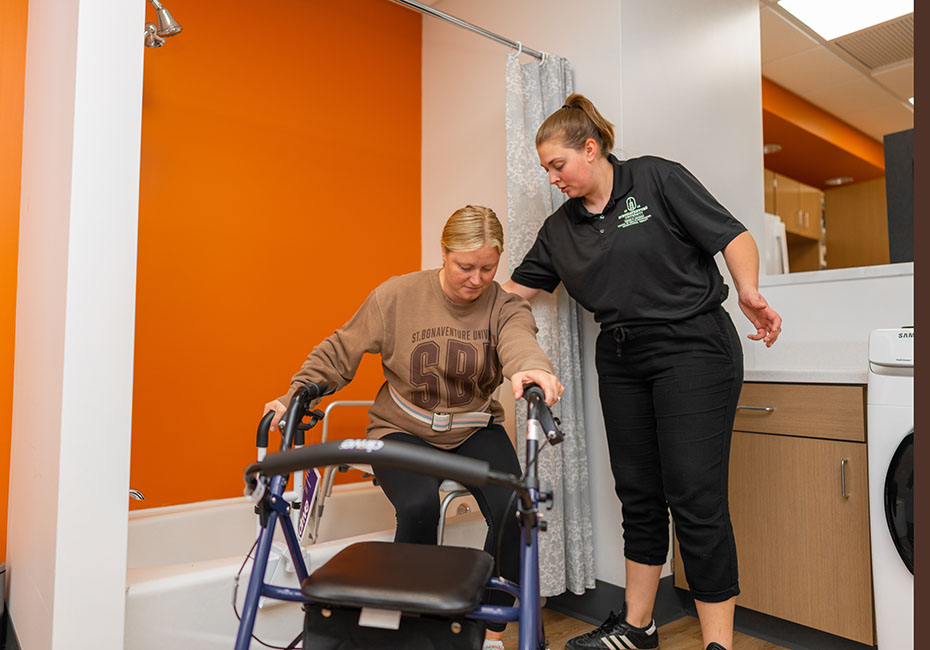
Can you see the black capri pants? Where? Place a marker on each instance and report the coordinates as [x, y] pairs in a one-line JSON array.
[[668, 393], [416, 501]]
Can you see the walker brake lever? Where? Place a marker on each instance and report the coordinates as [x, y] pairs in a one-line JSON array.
[[315, 416]]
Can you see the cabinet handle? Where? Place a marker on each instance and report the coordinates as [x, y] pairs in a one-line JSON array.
[[799, 217], [767, 409], [843, 477], [807, 219]]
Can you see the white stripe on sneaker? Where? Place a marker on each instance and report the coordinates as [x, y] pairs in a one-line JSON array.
[[626, 642], [611, 642]]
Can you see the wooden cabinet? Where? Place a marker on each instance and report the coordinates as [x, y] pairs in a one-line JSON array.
[[799, 503], [857, 225], [788, 203], [800, 207], [769, 190], [810, 201]]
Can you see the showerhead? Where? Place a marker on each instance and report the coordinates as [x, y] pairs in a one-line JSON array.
[[167, 25]]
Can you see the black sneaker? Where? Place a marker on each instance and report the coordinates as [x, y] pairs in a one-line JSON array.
[[616, 634], [715, 646]]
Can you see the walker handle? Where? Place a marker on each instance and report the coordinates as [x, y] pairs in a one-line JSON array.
[[538, 410], [261, 436], [290, 422], [378, 453]]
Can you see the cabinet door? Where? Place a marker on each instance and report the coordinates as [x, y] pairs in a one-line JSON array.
[[788, 203], [811, 204], [769, 190], [803, 543]]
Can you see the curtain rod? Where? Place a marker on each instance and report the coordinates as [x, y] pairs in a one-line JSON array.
[[430, 11]]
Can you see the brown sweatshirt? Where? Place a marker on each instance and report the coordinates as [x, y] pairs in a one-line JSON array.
[[438, 355]]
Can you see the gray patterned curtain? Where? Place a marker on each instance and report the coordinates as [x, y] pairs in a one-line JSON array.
[[535, 90]]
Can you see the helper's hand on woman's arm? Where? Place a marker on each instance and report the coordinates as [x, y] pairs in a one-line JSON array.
[[279, 411], [742, 258], [550, 384]]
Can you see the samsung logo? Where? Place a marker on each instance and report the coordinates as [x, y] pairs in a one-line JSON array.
[[905, 335]]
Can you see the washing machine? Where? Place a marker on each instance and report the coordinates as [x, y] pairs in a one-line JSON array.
[[891, 484]]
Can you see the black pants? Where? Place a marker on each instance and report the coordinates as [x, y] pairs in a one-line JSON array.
[[416, 502], [668, 394]]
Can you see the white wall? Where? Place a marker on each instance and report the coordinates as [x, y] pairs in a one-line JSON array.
[[463, 94], [464, 150], [679, 79], [828, 316], [75, 310]]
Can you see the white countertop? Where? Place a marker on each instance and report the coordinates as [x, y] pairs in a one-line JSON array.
[[811, 376], [838, 275]]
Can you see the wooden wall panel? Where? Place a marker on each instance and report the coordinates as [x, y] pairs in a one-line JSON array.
[[856, 220]]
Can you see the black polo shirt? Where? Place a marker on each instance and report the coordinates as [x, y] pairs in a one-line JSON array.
[[648, 258]]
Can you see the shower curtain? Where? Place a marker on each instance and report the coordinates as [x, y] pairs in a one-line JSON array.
[[534, 90]]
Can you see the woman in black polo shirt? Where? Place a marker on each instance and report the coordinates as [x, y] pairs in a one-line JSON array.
[[635, 245]]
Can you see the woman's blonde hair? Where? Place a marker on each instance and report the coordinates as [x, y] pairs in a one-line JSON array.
[[574, 123], [472, 227]]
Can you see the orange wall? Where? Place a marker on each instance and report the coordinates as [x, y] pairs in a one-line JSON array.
[[280, 183], [12, 77]]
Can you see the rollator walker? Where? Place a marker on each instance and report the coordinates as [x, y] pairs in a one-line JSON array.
[[389, 595]]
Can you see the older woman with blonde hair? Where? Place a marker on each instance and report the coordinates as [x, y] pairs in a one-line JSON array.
[[447, 337]]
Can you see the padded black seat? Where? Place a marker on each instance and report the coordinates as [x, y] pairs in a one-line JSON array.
[[413, 578]]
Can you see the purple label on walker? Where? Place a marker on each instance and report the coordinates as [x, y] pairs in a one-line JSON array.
[[311, 480]]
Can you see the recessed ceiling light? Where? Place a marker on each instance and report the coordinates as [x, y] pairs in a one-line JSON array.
[[771, 148], [834, 18], [839, 180]]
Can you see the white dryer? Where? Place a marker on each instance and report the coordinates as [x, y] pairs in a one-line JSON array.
[[891, 484]]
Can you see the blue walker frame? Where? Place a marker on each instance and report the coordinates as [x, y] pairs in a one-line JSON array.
[[268, 492]]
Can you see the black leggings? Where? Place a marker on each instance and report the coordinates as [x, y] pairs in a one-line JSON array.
[[416, 502], [669, 393]]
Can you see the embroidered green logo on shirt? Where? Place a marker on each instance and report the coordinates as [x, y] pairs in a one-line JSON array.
[[633, 214]]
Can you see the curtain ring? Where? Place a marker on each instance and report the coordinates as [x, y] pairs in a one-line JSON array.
[[519, 48]]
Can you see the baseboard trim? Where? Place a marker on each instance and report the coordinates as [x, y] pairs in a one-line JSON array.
[[790, 635], [672, 603], [594, 605]]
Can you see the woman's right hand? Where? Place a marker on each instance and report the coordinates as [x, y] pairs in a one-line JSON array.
[[279, 410]]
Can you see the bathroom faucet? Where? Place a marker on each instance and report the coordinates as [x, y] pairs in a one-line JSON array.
[[136, 494]]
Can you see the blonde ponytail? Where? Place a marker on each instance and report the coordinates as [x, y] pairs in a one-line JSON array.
[[576, 122]]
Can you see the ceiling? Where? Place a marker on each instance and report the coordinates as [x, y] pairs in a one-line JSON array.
[[863, 79]]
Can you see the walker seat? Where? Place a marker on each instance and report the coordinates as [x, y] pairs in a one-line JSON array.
[[429, 589], [412, 578]]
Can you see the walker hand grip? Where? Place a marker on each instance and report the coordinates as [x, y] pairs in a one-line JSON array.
[[538, 409], [290, 422], [261, 436], [534, 391], [378, 453], [319, 390]]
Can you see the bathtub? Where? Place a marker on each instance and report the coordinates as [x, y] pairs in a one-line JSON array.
[[181, 563]]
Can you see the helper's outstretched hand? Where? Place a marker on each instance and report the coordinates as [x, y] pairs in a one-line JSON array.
[[765, 319]]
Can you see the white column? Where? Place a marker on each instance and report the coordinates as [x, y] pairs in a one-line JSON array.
[[75, 311]]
